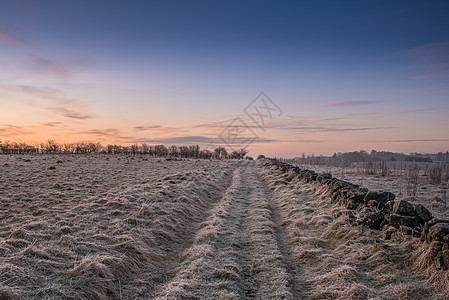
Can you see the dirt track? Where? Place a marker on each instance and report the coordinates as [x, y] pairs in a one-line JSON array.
[[239, 250], [109, 227]]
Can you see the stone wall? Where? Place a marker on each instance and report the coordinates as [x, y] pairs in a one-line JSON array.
[[379, 210]]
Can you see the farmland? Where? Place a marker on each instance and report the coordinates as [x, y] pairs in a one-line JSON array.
[[424, 183], [137, 227]]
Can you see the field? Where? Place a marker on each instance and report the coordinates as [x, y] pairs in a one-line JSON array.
[[138, 227], [424, 183]]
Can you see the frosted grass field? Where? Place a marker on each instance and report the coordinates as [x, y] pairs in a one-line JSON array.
[[137, 227]]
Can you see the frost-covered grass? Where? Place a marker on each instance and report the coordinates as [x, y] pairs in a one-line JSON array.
[[132, 227], [338, 259], [99, 226]]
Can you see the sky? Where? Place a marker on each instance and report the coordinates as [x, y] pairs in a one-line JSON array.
[[279, 78]]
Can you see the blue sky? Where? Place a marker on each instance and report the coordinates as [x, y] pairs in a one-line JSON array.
[[348, 75]]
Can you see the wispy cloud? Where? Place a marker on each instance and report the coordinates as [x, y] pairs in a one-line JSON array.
[[349, 116], [408, 112], [8, 130], [430, 52], [59, 103], [201, 140], [52, 124], [108, 133], [215, 124], [147, 127], [43, 64], [115, 132], [353, 103], [9, 37], [432, 60], [304, 125], [301, 117], [158, 129], [42, 92], [437, 75], [323, 129], [411, 141], [68, 113], [4, 36]]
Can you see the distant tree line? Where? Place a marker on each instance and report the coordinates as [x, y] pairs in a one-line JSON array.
[[51, 146], [376, 156]]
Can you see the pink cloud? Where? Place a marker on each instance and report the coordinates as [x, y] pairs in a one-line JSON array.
[[47, 65], [67, 107], [407, 112], [411, 141], [147, 127], [52, 124], [5, 36], [69, 113], [9, 37], [430, 52], [432, 60], [216, 124], [301, 117], [8, 130], [432, 76], [352, 103], [349, 116], [108, 133]]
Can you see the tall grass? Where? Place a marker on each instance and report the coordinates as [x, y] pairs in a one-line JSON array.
[[340, 259]]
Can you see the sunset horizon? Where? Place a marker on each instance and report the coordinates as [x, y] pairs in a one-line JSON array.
[[250, 149], [341, 77]]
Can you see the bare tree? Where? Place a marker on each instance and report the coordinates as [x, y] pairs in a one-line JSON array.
[[173, 151], [145, 149], [205, 154], [220, 153], [160, 150], [239, 154], [194, 151], [134, 149]]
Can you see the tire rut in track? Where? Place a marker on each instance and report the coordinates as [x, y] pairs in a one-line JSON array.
[[239, 251], [235, 243], [176, 240], [295, 284]]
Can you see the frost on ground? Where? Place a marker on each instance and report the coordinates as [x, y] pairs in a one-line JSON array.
[[100, 227], [237, 253], [134, 227], [418, 190], [337, 259]]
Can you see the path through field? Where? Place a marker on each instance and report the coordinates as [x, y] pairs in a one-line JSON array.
[[240, 250], [285, 243], [106, 227]]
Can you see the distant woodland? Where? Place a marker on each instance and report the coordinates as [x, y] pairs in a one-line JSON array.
[[52, 147], [377, 156]]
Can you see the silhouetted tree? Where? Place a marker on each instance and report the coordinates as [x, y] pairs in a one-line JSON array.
[[144, 148], [220, 153], [205, 154], [238, 154], [173, 151], [134, 149], [160, 150]]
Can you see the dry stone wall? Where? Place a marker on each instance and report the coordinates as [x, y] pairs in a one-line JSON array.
[[379, 210]]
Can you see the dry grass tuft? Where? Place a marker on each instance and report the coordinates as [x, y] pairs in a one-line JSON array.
[[8, 293], [95, 279], [423, 260]]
